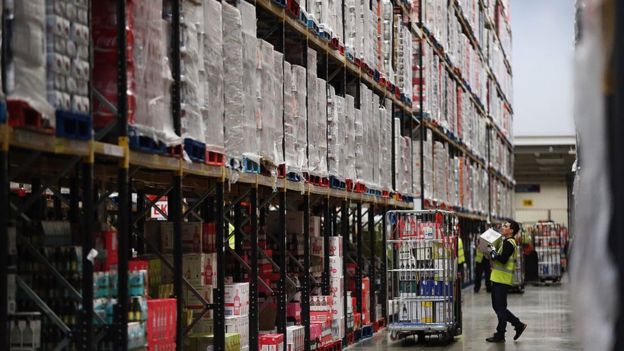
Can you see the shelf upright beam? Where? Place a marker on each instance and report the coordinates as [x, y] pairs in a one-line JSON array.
[[88, 217], [384, 268], [238, 239], [4, 241], [219, 296], [305, 286], [122, 181], [344, 229], [327, 232], [281, 288], [371, 275], [253, 275], [360, 257]]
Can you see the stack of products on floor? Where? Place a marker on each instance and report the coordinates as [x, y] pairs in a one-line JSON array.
[[337, 286]]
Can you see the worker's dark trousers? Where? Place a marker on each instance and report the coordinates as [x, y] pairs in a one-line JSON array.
[[499, 303], [481, 269]]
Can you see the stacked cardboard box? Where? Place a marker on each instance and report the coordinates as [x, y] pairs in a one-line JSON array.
[[236, 302], [337, 286]]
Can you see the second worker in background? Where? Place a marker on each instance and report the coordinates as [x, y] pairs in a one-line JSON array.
[[503, 265]]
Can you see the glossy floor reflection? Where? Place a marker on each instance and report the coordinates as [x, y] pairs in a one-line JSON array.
[[545, 309]]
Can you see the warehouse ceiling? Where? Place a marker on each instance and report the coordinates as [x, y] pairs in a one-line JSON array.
[[534, 162]]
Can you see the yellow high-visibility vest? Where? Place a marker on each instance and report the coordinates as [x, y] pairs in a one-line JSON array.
[[479, 256], [503, 273], [460, 251]]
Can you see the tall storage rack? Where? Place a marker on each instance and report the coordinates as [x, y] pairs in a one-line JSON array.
[[104, 174], [97, 169]]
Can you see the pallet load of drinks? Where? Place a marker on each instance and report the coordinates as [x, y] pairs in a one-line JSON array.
[[550, 242]]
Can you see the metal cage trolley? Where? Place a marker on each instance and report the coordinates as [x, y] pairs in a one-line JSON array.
[[424, 287], [548, 245]]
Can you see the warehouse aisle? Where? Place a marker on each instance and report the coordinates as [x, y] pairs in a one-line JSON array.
[[546, 310]]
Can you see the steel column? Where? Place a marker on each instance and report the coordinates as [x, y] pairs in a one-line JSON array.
[[305, 284], [253, 275], [238, 240], [281, 289], [175, 216], [384, 268], [327, 232], [371, 275], [219, 311], [4, 244], [88, 218], [344, 224], [360, 258]]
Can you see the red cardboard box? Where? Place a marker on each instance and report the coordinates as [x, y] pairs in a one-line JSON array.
[[321, 317], [108, 253], [365, 300], [271, 342]]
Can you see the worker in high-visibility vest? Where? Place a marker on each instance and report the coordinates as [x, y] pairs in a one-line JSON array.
[[503, 264], [482, 267], [461, 258]]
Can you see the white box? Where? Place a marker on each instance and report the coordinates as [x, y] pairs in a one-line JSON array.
[[338, 328], [191, 237], [295, 336], [316, 246], [199, 269], [490, 237], [237, 299], [335, 266], [240, 325], [335, 246]]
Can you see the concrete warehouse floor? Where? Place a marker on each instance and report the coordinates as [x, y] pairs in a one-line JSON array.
[[545, 309]]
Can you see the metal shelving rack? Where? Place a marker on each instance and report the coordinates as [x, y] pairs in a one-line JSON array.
[[105, 164]]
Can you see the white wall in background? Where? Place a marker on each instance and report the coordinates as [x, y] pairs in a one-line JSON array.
[[552, 197]]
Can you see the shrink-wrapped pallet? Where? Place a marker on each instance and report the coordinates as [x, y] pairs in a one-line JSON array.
[[364, 142], [385, 164], [417, 167], [428, 165], [405, 165], [191, 60], [290, 112], [349, 150], [279, 86], [387, 16], [213, 109], [149, 76], [266, 114], [317, 119], [360, 146], [374, 141], [26, 69], [334, 141], [300, 119], [237, 126]]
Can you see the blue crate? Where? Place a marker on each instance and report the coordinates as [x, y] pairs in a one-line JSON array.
[[73, 125], [196, 150], [144, 143]]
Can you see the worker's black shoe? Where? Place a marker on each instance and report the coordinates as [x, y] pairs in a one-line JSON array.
[[520, 330], [496, 338]]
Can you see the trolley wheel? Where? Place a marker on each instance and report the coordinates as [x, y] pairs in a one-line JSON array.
[[394, 336], [420, 337]]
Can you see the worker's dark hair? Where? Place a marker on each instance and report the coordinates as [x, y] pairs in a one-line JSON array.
[[515, 227]]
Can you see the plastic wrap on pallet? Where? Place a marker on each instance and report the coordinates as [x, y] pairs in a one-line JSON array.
[[360, 146], [428, 164], [335, 21], [385, 165], [334, 140], [279, 84], [351, 28], [374, 141], [417, 167], [149, 75], [299, 75], [213, 109], [349, 150], [364, 166], [67, 52], [26, 69], [266, 116], [191, 59], [387, 17], [236, 126], [317, 130], [405, 169], [290, 112]]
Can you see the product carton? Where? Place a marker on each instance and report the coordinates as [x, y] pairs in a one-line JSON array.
[[240, 325], [199, 269], [315, 226], [191, 237], [335, 246], [237, 299], [335, 267], [295, 337], [490, 237], [193, 302], [271, 342]]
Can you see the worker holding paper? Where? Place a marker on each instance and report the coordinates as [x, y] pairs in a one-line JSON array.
[[503, 264]]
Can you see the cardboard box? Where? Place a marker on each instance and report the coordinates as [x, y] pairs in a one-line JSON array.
[[199, 269], [294, 222], [295, 337], [271, 342], [192, 233], [240, 325], [489, 237], [316, 246], [335, 267], [209, 234], [315, 226], [321, 303], [237, 299], [335, 246]]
